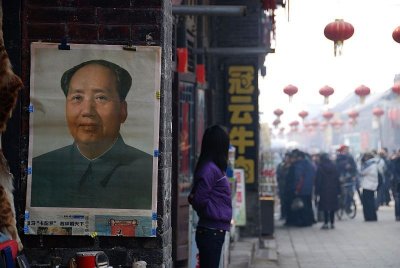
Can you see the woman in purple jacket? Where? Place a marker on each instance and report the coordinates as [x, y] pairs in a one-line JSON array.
[[211, 196]]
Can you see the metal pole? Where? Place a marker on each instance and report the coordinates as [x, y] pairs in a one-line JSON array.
[[209, 10], [234, 50]]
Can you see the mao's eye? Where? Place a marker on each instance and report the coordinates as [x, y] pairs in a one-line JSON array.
[[76, 98], [101, 98]]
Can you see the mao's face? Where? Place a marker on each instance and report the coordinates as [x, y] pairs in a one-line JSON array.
[[94, 111]]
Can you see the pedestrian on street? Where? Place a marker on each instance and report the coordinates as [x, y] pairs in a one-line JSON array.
[[395, 167], [281, 176], [347, 168], [211, 196], [327, 189], [369, 185], [384, 176], [304, 175]]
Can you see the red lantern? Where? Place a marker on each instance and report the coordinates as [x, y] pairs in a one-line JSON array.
[[327, 115], [201, 73], [314, 123], [396, 34], [278, 112], [303, 114], [396, 88], [294, 123], [378, 112], [353, 114], [337, 123], [268, 4], [326, 91], [352, 122], [362, 91], [290, 90], [338, 31], [182, 54], [276, 123], [394, 117]]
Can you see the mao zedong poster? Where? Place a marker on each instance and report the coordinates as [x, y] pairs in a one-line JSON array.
[[93, 145]]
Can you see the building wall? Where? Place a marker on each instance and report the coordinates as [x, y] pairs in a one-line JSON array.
[[244, 32], [117, 22]]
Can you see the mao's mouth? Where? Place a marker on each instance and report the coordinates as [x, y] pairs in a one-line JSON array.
[[88, 126]]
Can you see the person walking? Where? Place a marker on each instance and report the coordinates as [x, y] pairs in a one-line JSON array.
[[282, 171], [369, 185], [304, 175], [395, 167], [211, 196], [327, 189], [347, 168]]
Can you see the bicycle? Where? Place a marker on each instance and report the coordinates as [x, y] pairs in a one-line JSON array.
[[347, 204]]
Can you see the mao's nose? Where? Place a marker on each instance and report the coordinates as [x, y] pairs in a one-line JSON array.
[[88, 106]]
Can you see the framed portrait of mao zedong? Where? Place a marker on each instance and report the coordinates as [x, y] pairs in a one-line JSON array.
[[93, 142]]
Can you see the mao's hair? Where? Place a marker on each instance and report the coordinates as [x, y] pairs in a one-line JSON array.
[[124, 79]]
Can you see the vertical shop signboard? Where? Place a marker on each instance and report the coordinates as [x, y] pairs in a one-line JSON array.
[[243, 117]]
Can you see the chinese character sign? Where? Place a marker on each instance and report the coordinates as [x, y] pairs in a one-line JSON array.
[[243, 117]]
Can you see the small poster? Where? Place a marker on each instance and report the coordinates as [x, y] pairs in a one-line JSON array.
[[93, 144], [240, 204]]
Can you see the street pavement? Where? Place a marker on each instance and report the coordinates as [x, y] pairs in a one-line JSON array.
[[353, 243]]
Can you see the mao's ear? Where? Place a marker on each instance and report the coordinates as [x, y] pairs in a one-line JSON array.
[[124, 111]]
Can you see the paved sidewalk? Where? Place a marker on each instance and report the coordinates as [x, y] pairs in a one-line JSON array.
[[353, 243]]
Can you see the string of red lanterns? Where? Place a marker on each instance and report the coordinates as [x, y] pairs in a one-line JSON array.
[[339, 31]]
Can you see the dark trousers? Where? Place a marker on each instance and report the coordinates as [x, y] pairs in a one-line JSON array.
[[329, 216], [396, 197], [209, 242], [304, 216], [368, 201]]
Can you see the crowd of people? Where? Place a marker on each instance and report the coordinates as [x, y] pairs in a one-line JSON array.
[[303, 178]]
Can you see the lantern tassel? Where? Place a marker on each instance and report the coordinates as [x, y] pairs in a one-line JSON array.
[[338, 48], [326, 100], [290, 98], [362, 99]]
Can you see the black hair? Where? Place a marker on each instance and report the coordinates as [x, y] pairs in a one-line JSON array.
[[324, 157], [214, 147], [297, 153], [124, 79]]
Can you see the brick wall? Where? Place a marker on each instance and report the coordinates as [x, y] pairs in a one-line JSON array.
[[96, 22]]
